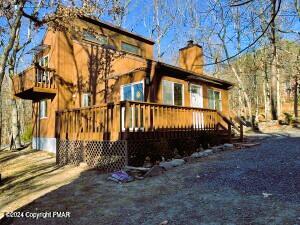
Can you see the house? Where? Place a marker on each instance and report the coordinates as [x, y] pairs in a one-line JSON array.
[[103, 84]]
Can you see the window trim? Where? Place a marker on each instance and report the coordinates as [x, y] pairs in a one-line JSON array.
[[173, 99], [140, 50], [46, 108], [94, 42], [214, 98], [82, 99]]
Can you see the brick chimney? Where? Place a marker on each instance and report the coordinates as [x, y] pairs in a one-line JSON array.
[[191, 57]]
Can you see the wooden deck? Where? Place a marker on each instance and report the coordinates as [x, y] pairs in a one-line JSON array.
[[35, 83], [131, 120]]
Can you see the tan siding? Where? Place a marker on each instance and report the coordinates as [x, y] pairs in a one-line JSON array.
[[75, 64]]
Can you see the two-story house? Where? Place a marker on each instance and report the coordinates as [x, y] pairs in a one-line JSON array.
[[104, 83]]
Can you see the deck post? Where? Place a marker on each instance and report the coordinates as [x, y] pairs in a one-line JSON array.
[[57, 125], [35, 74], [229, 132], [127, 119], [241, 131]]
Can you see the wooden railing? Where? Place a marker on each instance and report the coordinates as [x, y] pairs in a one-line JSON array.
[[89, 123], [117, 121], [236, 124], [142, 116], [34, 76]]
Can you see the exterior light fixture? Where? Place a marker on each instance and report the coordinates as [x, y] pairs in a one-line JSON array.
[[147, 80]]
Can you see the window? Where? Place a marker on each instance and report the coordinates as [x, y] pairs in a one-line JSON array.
[[167, 92], [43, 76], [178, 94], [172, 93], [130, 48], [214, 100], [98, 39], [133, 92], [43, 109], [86, 100], [44, 61]]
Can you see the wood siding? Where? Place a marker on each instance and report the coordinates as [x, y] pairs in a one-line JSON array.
[[83, 66]]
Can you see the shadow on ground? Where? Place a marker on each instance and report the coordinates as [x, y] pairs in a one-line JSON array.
[[27, 175], [225, 188]]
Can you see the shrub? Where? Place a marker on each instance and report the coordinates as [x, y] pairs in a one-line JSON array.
[[27, 134], [288, 118]]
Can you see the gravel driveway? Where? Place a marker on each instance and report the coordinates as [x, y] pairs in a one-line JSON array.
[[259, 185]]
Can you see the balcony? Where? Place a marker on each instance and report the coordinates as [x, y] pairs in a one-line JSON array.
[[35, 83]]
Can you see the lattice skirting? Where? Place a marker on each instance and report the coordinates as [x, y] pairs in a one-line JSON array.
[[106, 156]]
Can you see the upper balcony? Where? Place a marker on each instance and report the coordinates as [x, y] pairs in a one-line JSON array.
[[35, 83]]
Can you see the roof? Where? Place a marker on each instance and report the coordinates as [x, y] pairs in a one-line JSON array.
[[39, 48], [118, 29], [190, 76]]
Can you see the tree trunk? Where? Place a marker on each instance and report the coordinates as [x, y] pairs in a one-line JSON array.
[[296, 99], [240, 105], [273, 93], [266, 99], [275, 97], [12, 37], [244, 93], [16, 126], [0, 119]]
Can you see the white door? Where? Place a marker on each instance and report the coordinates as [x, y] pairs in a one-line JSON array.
[[197, 101], [196, 96]]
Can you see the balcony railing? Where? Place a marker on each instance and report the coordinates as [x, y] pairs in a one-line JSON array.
[[129, 119], [34, 79]]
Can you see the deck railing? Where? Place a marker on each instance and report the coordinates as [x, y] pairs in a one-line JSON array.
[[118, 120], [34, 76], [89, 123], [143, 116]]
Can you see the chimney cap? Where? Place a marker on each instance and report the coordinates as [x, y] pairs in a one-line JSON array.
[[190, 42]]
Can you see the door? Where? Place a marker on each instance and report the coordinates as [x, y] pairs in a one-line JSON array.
[[133, 92], [43, 76], [197, 102], [196, 96]]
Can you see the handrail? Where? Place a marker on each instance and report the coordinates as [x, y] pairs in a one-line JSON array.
[[123, 103], [87, 107], [34, 76], [165, 105], [239, 129], [33, 66], [228, 121], [118, 120]]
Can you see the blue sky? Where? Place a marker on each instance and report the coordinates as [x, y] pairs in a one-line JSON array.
[[190, 20]]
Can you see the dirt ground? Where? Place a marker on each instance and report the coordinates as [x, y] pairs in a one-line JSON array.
[[258, 185], [27, 175]]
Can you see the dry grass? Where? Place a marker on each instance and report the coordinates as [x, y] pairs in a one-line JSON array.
[[28, 175]]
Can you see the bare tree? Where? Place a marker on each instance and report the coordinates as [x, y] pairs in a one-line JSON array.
[[15, 16], [119, 10]]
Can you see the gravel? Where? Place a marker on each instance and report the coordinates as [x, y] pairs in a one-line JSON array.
[[258, 185]]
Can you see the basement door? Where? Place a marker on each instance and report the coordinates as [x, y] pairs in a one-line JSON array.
[[197, 102]]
